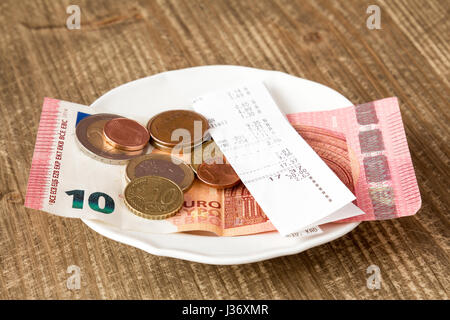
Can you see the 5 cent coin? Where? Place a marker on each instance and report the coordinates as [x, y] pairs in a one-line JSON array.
[[126, 134], [203, 153], [218, 175]]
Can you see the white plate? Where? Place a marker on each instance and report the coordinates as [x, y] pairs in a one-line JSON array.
[[175, 89]]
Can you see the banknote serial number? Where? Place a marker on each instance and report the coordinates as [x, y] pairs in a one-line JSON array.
[[228, 311]]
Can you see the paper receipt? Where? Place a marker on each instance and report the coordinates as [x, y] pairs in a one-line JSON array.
[[290, 182]]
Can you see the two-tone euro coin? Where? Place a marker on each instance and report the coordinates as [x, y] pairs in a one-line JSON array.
[[91, 140], [163, 165]]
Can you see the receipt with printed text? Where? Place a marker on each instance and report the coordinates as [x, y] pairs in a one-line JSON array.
[[289, 181]]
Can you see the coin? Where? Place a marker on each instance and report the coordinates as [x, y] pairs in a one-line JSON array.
[[162, 126], [204, 152], [217, 175], [153, 197], [180, 151], [126, 134], [160, 146], [89, 133], [162, 165]]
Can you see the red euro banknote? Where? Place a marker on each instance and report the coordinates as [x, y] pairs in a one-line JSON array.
[[366, 146]]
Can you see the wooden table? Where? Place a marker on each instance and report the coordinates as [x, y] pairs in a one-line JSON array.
[[324, 41]]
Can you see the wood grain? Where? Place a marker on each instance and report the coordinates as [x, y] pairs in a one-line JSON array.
[[324, 41]]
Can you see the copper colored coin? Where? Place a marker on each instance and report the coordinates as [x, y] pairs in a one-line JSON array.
[[126, 134], [165, 123], [90, 137], [160, 146], [217, 175], [162, 165], [180, 151], [203, 153]]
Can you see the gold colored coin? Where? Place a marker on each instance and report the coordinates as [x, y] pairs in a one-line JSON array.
[[203, 153], [162, 165], [153, 197]]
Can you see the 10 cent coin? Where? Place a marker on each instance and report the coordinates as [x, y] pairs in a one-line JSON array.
[[153, 197]]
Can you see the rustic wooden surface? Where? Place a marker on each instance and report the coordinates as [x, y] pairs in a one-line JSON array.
[[325, 41]]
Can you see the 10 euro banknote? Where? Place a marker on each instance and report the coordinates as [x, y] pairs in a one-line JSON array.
[[364, 145]]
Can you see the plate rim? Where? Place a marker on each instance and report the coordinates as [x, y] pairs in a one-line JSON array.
[[115, 234]]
